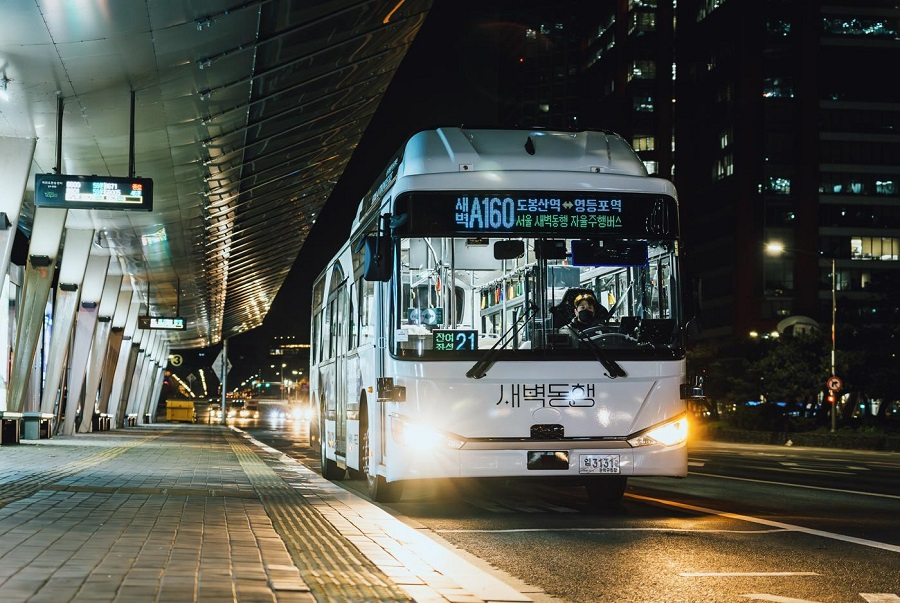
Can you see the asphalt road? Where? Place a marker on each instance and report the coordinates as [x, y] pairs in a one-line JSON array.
[[750, 523]]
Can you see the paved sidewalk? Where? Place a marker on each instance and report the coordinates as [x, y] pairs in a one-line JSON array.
[[171, 513]]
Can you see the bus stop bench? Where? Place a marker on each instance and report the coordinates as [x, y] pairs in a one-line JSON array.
[[10, 427], [38, 425]]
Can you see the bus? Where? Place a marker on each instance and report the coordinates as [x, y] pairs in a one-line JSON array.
[[438, 340]]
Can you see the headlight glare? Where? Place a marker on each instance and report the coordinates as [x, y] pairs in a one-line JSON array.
[[668, 434], [421, 437]]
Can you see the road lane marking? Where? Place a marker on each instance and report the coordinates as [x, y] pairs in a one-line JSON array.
[[763, 481], [777, 599], [767, 522], [745, 574], [650, 529], [870, 597], [807, 470]]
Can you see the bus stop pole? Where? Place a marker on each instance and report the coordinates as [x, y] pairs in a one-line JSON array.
[[223, 368]]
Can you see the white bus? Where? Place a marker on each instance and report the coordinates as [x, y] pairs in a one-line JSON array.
[[436, 342]]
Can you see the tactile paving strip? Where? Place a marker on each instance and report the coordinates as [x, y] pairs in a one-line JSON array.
[[333, 568]]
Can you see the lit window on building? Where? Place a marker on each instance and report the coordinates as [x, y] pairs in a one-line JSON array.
[[643, 104], [642, 22], [644, 143], [778, 87], [875, 248], [725, 139], [778, 28], [778, 186], [707, 7], [860, 27], [723, 168], [885, 187], [642, 70], [652, 167]]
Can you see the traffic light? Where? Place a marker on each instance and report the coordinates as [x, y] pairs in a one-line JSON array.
[[830, 398]]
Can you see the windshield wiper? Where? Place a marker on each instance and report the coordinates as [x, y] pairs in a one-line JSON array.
[[613, 369], [480, 368]]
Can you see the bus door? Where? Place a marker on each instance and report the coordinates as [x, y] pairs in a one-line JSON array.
[[338, 306]]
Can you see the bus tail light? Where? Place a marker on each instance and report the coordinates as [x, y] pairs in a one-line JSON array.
[[667, 434]]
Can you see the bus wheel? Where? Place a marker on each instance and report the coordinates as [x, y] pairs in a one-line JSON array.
[[605, 491], [379, 489]]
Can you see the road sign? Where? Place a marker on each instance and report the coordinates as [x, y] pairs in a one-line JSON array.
[[834, 383], [218, 363]]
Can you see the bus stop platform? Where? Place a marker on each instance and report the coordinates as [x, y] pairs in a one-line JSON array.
[[167, 512]]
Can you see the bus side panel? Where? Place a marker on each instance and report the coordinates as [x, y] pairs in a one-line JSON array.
[[363, 400], [352, 383], [329, 408]]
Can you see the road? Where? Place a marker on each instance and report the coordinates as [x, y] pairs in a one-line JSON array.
[[750, 523]]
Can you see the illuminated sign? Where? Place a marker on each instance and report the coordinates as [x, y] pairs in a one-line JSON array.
[[537, 213], [92, 192], [455, 341], [168, 323]]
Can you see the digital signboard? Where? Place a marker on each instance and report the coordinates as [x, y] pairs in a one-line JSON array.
[[445, 340], [168, 323], [537, 213], [93, 192]]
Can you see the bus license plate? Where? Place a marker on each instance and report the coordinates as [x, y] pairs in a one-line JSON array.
[[598, 463]]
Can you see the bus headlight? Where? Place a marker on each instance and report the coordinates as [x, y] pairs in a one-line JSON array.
[[421, 437], [667, 434]]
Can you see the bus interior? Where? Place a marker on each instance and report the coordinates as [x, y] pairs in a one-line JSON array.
[[515, 295]]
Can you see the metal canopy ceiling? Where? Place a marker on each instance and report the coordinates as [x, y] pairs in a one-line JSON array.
[[245, 116]]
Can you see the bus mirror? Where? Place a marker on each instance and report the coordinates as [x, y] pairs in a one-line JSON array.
[[377, 260], [550, 249], [509, 250], [692, 328]]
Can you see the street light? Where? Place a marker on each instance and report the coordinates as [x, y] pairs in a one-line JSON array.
[[777, 248]]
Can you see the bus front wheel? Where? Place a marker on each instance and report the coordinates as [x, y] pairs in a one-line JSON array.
[[379, 489], [606, 491]]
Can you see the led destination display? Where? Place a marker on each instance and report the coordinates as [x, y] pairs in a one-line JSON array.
[[93, 192], [537, 213]]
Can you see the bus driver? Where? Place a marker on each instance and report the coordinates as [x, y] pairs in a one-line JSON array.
[[588, 313]]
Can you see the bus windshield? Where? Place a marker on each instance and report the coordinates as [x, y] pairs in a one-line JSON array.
[[520, 296]]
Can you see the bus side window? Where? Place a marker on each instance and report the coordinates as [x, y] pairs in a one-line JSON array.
[[351, 319], [365, 302]]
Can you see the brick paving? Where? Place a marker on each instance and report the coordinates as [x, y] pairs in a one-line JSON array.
[[197, 513]]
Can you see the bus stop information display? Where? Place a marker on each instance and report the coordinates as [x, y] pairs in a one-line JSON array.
[[93, 192], [537, 213], [168, 323]]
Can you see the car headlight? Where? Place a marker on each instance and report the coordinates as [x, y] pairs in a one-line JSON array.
[[668, 434], [421, 437]]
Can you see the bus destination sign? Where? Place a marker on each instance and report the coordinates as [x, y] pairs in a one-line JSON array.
[[93, 192], [539, 213]]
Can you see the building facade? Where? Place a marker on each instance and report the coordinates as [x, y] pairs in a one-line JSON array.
[[789, 132]]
